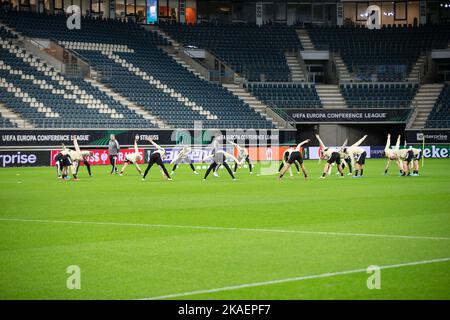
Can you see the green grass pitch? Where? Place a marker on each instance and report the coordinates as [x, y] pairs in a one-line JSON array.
[[186, 238]]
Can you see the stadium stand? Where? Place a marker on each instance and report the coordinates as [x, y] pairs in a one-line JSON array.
[[143, 72], [6, 123], [46, 98], [248, 49], [379, 95], [439, 117], [286, 95], [389, 52]]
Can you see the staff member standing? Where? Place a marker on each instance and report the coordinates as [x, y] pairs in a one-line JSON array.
[[113, 150]]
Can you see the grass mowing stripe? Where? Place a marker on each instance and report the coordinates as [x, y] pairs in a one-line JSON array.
[[228, 229], [317, 276]]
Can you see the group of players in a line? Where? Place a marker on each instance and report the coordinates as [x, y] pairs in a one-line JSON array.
[[352, 157]]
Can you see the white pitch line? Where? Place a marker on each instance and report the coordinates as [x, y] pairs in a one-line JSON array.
[[316, 276], [326, 233]]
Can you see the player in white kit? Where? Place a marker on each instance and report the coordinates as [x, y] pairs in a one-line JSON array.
[[132, 158]]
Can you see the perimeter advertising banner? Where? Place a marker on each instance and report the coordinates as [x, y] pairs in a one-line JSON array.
[[435, 151], [437, 136], [24, 158], [348, 115], [101, 157], [198, 154], [54, 138]]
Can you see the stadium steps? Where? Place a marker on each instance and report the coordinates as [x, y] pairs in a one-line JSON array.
[[330, 96], [70, 89], [127, 103], [174, 43], [185, 65], [415, 70], [195, 107], [254, 103], [14, 118], [424, 102], [344, 75], [305, 40], [297, 74]]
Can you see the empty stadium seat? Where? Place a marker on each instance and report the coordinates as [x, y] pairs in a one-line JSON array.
[[286, 95], [387, 53], [379, 95], [248, 49], [439, 116], [140, 71]]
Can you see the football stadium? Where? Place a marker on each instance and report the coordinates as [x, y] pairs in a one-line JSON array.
[[224, 150]]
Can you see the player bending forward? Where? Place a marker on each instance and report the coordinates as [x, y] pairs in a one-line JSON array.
[[132, 158], [357, 156], [416, 159], [391, 154], [285, 159], [242, 156], [295, 156], [332, 156], [405, 157], [79, 156], [157, 157], [182, 156], [219, 157]]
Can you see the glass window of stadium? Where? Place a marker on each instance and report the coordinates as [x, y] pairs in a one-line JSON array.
[[27, 5], [215, 11], [392, 12], [244, 12], [274, 12], [168, 10]]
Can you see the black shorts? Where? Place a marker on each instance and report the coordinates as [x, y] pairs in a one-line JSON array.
[[409, 156], [58, 157], [156, 158], [335, 158], [361, 159], [295, 156], [286, 156], [418, 156], [66, 161]]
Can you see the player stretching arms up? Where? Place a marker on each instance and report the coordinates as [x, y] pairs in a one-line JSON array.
[[242, 156], [219, 157], [66, 163], [157, 157], [295, 156], [391, 154], [182, 156], [355, 152], [332, 156], [132, 158], [78, 156], [404, 156]]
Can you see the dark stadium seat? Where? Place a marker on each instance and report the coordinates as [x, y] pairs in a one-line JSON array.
[[379, 95], [439, 116], [249, 49], [286, 95], [388, 53], [184, 97]]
